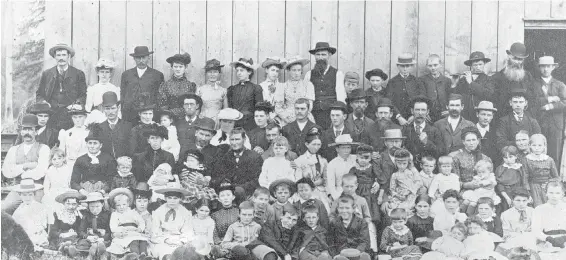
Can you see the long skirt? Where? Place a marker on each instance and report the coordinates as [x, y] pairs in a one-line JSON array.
[[538, 193], [364, 190]]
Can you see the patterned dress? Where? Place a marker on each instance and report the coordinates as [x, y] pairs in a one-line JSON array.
[[285, 99], [464, 162], [213, 99], [403, 237], [63, 222], [405, 186], [223, 218], [366, 178], [541, 169], [171, 90]]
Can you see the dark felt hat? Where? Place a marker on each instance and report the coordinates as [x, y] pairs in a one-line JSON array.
[[225, 186], [476, 56], [518, 50], [29, 120], [206, 124], [213, 64], [140, 51], [322, 46], [184, 58], [376, 72], [157, 130], [385, 102], [61, 46], [339, 105], [109, 98], [144, 102], [94, 132], [41, 108], [357, 94]]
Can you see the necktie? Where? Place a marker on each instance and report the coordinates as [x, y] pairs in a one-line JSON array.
[[112, 126], [338, 132], [359, 123], [520, 118], [522, 216], [154, 159], [94, 223], [419, 130], [170, 214], [237, 155]]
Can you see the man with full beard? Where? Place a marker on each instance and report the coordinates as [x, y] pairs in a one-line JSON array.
[[357, 121], [328, 84], [451, 126], [373, 133], [513, 76]]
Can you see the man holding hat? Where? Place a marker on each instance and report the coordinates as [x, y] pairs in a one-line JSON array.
[[62, 86], [148, 160], [485, 113], [328, 83], [373, 133], [510, 124], [45, 134], [513, 76], [338, 114], [28, 160], [551, 94], [115, 132], [474, 85], [402, 88], [451, 127], [138, 80], [357, 122]]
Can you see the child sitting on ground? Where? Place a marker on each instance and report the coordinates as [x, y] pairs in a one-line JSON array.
[[159, 179], [124, 178], [281, 190], [274, 237], [277, 167], [443, 181], [305, 188], [397, 240], [485, 179], [94, 230], [516, 222], [310, 241], [203, 224], [239, 235], [263, 212], [348, 230], [171, 144]]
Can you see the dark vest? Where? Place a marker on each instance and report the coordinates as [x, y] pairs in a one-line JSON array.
[[324, 85]]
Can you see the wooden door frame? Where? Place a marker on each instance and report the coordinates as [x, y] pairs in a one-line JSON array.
[[545, 23]]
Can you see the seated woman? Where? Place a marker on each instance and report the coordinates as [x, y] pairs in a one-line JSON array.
[[549, 223], [63, 232]]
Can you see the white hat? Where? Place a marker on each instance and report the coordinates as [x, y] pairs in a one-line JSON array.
[[26, 185], [230, 114]]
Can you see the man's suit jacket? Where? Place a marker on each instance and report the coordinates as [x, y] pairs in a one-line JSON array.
[[434, 146], [244, 173], [356, 235], [555, 116], [146, 162], [258, 138], [116, 141], [452, 139], [504, 87], [354, 131], [489, 145], [401, 91], [131, 86], [74, 87], [328, 137], [508, 127], [210, 153], [373, 133], [437, 91], [297, 137], [186, 133]]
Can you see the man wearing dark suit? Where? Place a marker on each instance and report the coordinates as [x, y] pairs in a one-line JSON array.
[[138, 80], [146, 162], [203, 134], [357, 122], [402, 88], [338, 113], [116, 132], [45, 134], [436, 87], [509, 125], [423, 139], [485, 112], [62, 86], [186, 126], [239, 166], [451, 127], [373, 133], [296, 131]]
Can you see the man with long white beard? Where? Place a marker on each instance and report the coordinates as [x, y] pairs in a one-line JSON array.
[[512, 77]]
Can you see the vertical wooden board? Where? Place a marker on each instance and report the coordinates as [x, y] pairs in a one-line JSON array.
[[165, 34], [7, 93], [350, 37], [85, 38], [404, 30], [537, 9], [139, 24], [325, 26], [271, 33], [485, 15], [298, 30], [57, 26], [457, 35], [377, 37], [113, 35], [193, 38], [558, 9], [511, 27], [431, 31], [246, 30], [219, 36]]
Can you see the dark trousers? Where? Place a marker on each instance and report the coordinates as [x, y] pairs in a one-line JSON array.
[[138, 247], [60, 119]]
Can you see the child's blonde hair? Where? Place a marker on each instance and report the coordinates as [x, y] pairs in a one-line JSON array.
[[538, 137], [56, 151], [120, 197], [124, 160], [445, 160], [481, 164], [282, 141]]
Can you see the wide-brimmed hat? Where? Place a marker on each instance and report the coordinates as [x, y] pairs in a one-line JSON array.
[[61, 46], [376, 72], [476, 56], [351, 254], [546, 60], [206, 124], [485, 105], [109, 98], [115, 192], [296, 60], [29, 120], [94, 133], [248, 63], [351, 76], [41, 108], [230, 114], [184, 58], [173, 187], [357, 94], [140, 51], [290, 183], [157, 130], [213, 64], [385, 102], [94, 196], [105, 64], [340, 106], [518, 50], [344, 139], [26, 185], [322, 46], [77, 109], [69, 194], [274, 61], [142, 190], [144, 102], [406, 59], [393, 134]]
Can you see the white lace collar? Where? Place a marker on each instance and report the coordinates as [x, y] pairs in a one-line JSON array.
[[515, 166], [534, 157]]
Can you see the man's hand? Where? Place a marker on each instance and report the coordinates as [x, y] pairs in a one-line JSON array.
[[288, 257], [553, 99], [547, 107], [374, 188], [468, 75], [402, 121], [410, 120], [29, 165], [376, 156], [258, 149], [423, 137], [420, 239]]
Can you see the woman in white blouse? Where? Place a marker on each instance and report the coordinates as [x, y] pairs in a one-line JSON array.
[[72, 141], [104, 70]]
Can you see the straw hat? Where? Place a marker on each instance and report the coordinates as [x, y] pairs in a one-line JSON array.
[[61, 46], [26, 185], [546, 60], [393, 134], [94, 196], [115, 192], [485, 105], [296, 60], [173, 187], [230, 114], [406, 59], [344, 139], [69, 194], [248, 63]]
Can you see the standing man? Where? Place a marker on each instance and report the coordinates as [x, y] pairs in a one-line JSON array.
[[451, 127], [373, 134], [512, 77], [138, 80], [186, 125], [296, 131], [115, 132], [436, 86], [552, 98], [510, 124], [45, 134], [328, 83], [474, 85], [485, 112], [402, 88], [357, 122], [62, 86], [338, 114], [28, 160]]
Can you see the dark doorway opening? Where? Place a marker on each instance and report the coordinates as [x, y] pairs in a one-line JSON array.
[[546, 42]]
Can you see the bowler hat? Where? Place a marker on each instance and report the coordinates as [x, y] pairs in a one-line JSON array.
[[357, 94], [109, 98], [486, 105], [339, 105], [213, 64], [144, 102], [546, 60], [322, 46], [206, 124], [351, 76], [296, 60], [385, 102], [69, 194], [142, 190], [344, 139], [376, 72], [273, 61], [77, 109], [61, 46], [41, 108], [94, 196], [518, 50], [184, 58], [29, 120], [157, 130], [392, 134], [26, 185], [405, 59], [248, 63], [140, 51], [273, 186], [476, 56]]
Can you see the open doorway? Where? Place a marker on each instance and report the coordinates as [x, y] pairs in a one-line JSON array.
[[546, 42]]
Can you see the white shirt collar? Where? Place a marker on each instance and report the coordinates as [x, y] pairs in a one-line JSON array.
[[302, 125], [40, 130], [355, 117], [191, 119], [547, 80], [517, 116], [423, 124], [336, 129], [482, 129], [453, 122], [141, 71], [64, 69]]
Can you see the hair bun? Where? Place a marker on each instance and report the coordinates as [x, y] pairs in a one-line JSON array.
[[314, 131]]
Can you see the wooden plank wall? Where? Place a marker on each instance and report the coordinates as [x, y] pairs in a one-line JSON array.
[[368, 34]]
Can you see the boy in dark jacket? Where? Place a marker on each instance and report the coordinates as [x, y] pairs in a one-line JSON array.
[[305, 187], [310, 241], [275, 237], [348, 230]]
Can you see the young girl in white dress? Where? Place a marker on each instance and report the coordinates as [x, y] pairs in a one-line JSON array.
[[72, 141], [57, 180], [171, 145], [104, 70], [203, 224]]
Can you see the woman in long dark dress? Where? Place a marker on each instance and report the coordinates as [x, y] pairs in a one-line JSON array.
[[177, 85]]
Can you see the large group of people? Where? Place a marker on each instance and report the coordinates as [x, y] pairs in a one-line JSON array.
[[442, 166]]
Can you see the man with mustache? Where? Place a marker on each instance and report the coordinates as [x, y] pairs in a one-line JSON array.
[[45, 134], [373, 133], [28, 160], [138, 80], [513, 76], [115, 132], [328, 84], [204, 131], [62, 86], [436, 87], [357, 121], [451, 127]]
